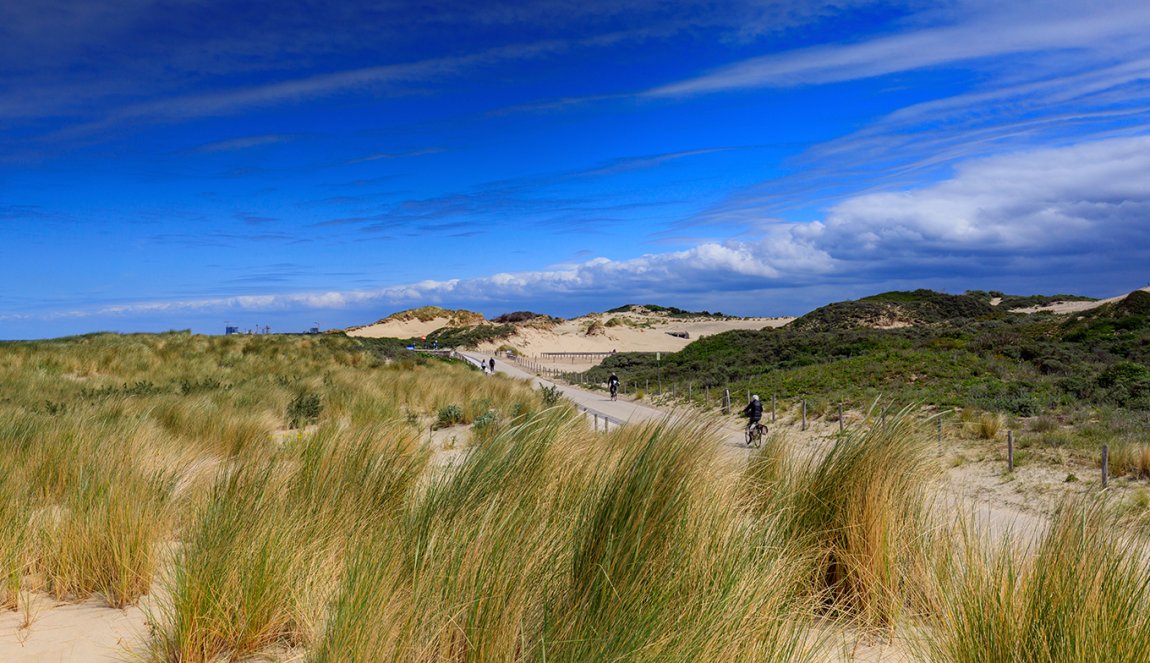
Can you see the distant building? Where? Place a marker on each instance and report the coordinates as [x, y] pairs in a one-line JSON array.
[[228, 331]]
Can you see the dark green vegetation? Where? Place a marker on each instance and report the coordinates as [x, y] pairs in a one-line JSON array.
[[524, 316], [957, 351], [665, 311], [920, 307], [468, 337], [1007, 302]]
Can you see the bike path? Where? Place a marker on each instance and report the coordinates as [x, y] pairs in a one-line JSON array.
[[619, 412]]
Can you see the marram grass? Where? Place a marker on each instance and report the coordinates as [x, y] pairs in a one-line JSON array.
[[628, 549], [1079, 595], [859, 511]]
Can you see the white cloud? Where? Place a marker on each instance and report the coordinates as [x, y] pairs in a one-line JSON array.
[[1050, 200]]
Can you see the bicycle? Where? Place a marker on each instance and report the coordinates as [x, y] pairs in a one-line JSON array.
[[614, 392], [755, 435]]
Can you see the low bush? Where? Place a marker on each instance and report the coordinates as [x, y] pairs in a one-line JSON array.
[[551, 394], [448, 415], [304, 410]]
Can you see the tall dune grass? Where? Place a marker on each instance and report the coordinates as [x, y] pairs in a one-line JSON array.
[[257, 567], [110, 441], [1079, 596], [14, 517], [859, 510], [552, 543]]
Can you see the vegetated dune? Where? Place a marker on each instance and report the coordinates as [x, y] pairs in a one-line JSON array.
[[416, 323], [628, 329]]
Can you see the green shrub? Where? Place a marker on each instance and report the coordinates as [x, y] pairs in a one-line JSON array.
[[551, 394], [304, 409], [449, 415]]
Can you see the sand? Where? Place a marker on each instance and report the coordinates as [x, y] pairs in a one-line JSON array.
[[400, 328], [1074, 306], [593, 333], [88, 632]]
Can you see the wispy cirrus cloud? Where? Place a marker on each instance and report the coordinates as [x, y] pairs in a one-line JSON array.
[[530, 200], [387, 156], [1055, 75], [243, 143], [643, 162], [1065, 27]]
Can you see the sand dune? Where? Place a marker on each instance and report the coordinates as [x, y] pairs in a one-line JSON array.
[[1075, 306], [595, 332]]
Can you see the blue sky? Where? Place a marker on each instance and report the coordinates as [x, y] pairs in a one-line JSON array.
[[190, 163]]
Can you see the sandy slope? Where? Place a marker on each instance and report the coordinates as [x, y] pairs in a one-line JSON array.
[[640, 334], [1074, 307], [596, 332], [413, 328]]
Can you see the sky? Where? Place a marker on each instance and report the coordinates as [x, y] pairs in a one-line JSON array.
[[196, 164]]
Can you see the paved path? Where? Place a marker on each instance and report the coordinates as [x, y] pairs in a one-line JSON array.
[[619, 412], [623, 410]]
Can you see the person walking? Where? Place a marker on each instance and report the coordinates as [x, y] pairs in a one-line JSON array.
[[491, 364]]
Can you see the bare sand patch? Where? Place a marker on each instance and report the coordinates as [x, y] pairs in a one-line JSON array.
[[88, 632], [1074, 306]]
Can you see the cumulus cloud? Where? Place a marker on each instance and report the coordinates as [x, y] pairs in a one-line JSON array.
[[1058, 200]]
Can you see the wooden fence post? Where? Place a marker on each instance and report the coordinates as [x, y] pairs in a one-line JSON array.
[[939, 420], [1105, 465], [840, 416], [772, 408], [1009, 451], [596, 423], [726, 401], [804, 414]]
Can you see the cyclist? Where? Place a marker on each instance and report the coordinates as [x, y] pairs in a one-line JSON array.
[[613, 385], [753, 412]]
